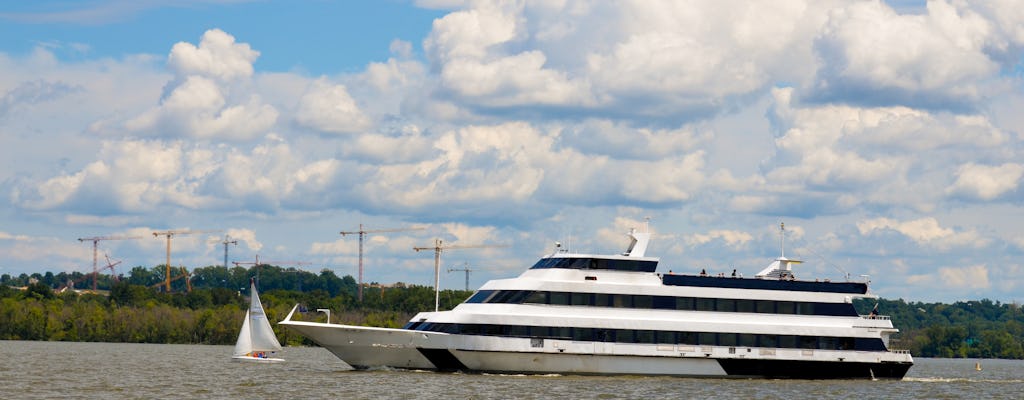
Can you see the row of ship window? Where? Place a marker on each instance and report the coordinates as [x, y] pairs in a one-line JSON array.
[[662, 302], [596, 263], [656, 337]]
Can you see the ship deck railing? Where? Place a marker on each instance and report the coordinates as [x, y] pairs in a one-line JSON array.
[[879, 317], [899, 351]]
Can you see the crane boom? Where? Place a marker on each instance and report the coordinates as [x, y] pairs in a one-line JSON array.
[[464, 269], [95, 243], [170, 233], [362, 233], [439, 246]]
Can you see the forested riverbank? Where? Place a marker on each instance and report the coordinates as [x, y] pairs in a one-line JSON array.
[[132, 309]]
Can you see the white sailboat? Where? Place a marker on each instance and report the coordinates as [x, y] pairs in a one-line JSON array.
[[256, 341]]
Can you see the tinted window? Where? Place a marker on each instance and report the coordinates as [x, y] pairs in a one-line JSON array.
[[727, 339], [641, 301], [537, 298], [726, 305], [480, 296], [581, 299], [746, 306], [704, 304], [684, 303]]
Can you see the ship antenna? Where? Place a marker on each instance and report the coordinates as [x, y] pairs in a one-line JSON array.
[[782, 238]]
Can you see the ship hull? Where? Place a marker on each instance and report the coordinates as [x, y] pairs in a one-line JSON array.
[[368, 347]]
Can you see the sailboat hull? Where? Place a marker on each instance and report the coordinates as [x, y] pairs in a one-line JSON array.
[[248, 359]]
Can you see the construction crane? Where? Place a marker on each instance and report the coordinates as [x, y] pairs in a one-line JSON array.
[[95, 243], [170, 234], [362, 233], [227, 240], [184, 274], [438, 248], [258, 263], [111, 266], [467, 270], [94, 275]]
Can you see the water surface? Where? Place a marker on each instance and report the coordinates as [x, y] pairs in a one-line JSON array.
[[64, 370]]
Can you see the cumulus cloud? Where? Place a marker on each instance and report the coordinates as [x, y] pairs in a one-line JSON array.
[[864, 63], [986, 182], [731, 238], [661, 60], [206, 99], [972, 277], [328, 107], [217, 56], [835, 149], [715, 114], [925, 231]]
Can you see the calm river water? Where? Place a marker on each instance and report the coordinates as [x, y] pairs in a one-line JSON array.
[[60, 370]]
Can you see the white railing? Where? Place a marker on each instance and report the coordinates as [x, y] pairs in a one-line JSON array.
[[879, 317]]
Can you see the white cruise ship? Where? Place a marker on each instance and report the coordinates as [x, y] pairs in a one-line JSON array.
[[613, 314]]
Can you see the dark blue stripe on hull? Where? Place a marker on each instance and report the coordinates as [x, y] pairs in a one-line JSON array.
[[787, 369], [443, 359], [764, 284]]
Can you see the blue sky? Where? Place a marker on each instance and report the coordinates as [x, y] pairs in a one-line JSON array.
[[315, 37], [885, 135]]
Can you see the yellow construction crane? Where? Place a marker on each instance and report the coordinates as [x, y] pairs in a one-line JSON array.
[[362, 233], [169, 234], [438, 248], [95, 242], [184, 274]]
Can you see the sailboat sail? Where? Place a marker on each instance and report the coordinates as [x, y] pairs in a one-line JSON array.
[[256, 334], [244, 344]]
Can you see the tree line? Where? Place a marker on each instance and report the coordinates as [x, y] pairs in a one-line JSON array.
[[137, 310]]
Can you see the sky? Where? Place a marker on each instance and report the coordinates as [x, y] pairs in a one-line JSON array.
[[885, 135]]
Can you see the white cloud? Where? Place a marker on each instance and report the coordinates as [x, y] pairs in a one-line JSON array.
[[217, 56], [328, 107], [530, 119], [208, 99], [731, 238], [938, 61], [972, 277], [925, 231], [986, 182]]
